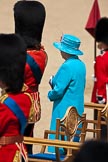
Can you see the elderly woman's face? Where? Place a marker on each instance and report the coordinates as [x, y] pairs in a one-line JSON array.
[[65, 55]]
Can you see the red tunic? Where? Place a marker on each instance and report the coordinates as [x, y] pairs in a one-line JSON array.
[[10, 126], [32, 82], [40, 57], [101, 77]]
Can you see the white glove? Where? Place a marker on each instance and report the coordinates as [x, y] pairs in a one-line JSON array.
[[50, 81]]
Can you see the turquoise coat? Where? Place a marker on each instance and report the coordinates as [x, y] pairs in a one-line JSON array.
[[68, 88]]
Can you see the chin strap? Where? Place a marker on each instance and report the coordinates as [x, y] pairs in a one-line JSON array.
[[23, 153]]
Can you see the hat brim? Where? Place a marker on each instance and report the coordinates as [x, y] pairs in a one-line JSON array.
[[69, 51]]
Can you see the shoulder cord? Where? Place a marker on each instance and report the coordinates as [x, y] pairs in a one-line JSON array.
[[22, 152]]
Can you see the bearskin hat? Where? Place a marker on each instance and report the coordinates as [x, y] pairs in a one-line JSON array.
[[29, 19], [12, 61], [101, 30]]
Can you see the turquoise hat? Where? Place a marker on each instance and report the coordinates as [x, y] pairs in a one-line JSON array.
[[69, 44]]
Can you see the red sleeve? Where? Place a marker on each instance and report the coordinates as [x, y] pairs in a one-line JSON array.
[[6, 119], [100, 75], [9, 123]]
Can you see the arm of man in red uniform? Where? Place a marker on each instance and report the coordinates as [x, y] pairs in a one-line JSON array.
[[100, 76]]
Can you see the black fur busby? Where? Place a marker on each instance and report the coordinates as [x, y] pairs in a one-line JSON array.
[[29, 19], [12, 61], [101, 30]]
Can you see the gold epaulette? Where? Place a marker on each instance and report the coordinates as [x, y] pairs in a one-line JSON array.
[[3, 97]]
